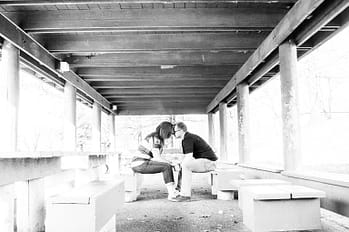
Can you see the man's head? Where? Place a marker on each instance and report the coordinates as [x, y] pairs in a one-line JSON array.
[[179, 130]]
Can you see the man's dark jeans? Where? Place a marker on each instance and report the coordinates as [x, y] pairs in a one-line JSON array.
[[152, 167]]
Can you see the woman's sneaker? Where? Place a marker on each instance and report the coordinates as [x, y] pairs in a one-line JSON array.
[[173, 196]]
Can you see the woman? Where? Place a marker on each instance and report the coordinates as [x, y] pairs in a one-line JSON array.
[[148, 158]]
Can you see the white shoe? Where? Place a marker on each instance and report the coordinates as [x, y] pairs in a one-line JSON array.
[[173, 195]]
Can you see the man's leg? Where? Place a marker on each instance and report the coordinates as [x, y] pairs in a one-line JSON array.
[[179, 180], [189, 166]]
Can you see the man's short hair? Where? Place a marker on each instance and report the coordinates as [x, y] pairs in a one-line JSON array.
[[181, 126]]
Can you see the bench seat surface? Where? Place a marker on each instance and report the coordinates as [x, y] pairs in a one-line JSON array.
[[278, 192], [84, 194], [240, 183]]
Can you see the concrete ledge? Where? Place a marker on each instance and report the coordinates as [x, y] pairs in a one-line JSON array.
[[19, 169], [261, 167], [322, 177], [49, 154]]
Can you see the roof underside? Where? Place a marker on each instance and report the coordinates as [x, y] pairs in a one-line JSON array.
[[164, 57]]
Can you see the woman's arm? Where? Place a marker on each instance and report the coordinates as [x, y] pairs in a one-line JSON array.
[[158, 157]]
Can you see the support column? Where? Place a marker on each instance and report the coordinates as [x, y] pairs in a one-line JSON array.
[[211, 131], [69, 117], [113, 133], [7, 208], [30, 205], [289, 105], [113, 160], [96, 127], [10, 76], [223, 124], [243, 122]]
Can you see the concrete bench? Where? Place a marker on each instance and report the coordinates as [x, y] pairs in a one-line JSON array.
[[239, 184], [133, 183], [281, 208], [220, 182], [89, 208]]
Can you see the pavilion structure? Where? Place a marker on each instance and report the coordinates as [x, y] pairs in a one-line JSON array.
[[142, 57]]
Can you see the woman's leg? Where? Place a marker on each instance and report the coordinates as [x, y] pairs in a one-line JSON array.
[[152, 167]]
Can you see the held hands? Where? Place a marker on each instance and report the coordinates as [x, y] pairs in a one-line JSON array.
[[176, 165]]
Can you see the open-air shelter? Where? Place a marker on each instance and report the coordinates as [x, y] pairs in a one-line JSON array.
[[152, 57]]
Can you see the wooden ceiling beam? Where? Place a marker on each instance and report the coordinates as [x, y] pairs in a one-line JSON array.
[[159, 103], [322, 18], [162, 110], [163, 91], [190, 71], [299, 13], [157, 84], [79, 2], [140, 100], [176, 58], [58, 43], [167, 19], [158, 96], [27, 45], [158, 78]]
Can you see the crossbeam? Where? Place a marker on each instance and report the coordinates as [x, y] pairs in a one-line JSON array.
[[196, 19], [79, 2], [241, 41], [157, 58], [300, 11], [29, 46]]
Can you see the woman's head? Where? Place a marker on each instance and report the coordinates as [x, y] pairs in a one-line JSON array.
[[164, 130]]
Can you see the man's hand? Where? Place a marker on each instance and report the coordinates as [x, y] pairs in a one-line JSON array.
[[176, 166]]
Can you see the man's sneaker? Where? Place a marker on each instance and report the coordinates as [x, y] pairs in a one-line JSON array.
[[181, 199]]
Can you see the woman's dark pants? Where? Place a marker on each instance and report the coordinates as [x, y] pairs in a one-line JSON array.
[[152, 167]]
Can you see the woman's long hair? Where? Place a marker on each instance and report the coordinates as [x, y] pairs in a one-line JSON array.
[[163, 131]]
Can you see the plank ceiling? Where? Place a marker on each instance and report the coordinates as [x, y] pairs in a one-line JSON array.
[[155, 56]]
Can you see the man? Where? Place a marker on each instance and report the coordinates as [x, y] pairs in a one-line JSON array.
[[199, 157]]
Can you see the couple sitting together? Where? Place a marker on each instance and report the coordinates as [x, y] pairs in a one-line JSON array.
[[198, 157]]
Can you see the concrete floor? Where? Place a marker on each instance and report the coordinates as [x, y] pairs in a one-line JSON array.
[[152, 212]]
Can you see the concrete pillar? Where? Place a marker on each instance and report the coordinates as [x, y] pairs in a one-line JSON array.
[[223, 124], [243, 122], [69, 117], [113, 132], [211, 131], [113, 160], [7, 212], [10, 75], [30, 208], [96, 127], [289, 105]]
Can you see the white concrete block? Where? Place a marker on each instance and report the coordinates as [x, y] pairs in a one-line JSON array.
[[7, 208], [255, 182], [221, 178], [87, 208], [272, 208], [132, 180], [130, 196], [110, 226], [225, 195], [283, 215]]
